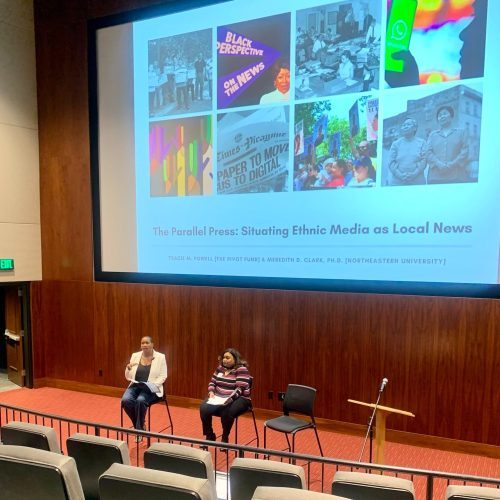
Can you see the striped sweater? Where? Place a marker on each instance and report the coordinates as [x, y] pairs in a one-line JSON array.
[[234, 385]]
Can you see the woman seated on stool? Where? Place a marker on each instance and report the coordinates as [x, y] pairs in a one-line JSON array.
[[230, 381], [147, 365]]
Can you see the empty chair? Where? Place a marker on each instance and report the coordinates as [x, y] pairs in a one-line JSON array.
[[364, 486], [298, 399], [454, 492], [32, 435], [132, 483], [246, 474], [93, 456], [273, 493], [32, 474], [180, 460]]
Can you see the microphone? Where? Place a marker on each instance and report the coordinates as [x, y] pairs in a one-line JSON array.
[[383, 384]]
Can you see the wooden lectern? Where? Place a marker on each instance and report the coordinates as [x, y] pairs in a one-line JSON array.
[[380, 417]]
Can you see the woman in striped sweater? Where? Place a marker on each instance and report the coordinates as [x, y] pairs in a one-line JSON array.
[[228, 394]]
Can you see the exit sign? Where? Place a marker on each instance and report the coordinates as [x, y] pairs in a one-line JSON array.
[[6, 264]]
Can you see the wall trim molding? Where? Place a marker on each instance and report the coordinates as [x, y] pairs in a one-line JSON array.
[[401, 437]]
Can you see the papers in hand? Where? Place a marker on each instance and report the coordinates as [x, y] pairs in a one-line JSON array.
[[217, 400], [152, 387]]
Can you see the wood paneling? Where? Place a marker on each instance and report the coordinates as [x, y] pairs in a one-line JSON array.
[[438, 353], [441, 355]]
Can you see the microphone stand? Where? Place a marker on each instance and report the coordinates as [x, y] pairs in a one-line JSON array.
[[369, 431]]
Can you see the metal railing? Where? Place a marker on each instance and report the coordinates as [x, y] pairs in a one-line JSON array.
[[428, 484]]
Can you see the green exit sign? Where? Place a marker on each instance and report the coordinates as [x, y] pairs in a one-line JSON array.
[[6, 264]]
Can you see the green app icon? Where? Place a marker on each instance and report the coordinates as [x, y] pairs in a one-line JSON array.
[[399, 29]]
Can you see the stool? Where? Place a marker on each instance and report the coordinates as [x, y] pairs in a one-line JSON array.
[[163, 400], [256, 438]]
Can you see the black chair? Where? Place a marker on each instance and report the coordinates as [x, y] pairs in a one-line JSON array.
[[162, 400], [298, 399]]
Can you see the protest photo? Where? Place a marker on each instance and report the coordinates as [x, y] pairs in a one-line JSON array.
[[337, 49], [340, 145], [253, 62], [180, 157], [253, 151], [180, 74], [434, 137]]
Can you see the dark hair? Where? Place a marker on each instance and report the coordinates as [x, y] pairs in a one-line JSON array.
[[366, 162], [238, 358], [347, 53], [342, 164], [148, 337], [278, 66], [448, 108]]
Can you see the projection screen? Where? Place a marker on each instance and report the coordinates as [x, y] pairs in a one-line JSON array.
[[339, 145]]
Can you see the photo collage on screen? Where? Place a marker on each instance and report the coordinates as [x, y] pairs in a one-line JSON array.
[[299, 111]]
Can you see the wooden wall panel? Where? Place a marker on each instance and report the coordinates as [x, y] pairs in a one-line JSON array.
[[63, 334], [65, 193], [441, 355], [438, 353]]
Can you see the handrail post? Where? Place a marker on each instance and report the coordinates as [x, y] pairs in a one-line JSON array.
[[430, 487]]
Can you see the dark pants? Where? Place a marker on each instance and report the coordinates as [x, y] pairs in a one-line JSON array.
[[136, 401], [227, 414], [182, 97], [199, 84]]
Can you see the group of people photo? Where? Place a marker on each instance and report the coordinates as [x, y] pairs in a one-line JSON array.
[[336, 172], [337, 48], [331, 146], [228, 391], [435, 139], [180, 74]]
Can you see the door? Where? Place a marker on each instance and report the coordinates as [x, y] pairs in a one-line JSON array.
[[14, 336]]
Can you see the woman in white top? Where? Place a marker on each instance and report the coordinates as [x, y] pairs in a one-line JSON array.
[[281, 81], [346, 67], [146, 371]]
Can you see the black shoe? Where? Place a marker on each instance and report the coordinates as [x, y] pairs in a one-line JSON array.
[[224, 438], [211, 437]]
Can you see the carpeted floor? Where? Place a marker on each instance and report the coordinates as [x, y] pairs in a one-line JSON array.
[[106, 410]]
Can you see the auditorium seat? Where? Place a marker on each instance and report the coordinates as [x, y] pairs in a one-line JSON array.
[[93, 456], [455, 492], [133, 483], [363, 486], [246, 474], [273, 493], [33, 474], [180, 459], [32, 435]]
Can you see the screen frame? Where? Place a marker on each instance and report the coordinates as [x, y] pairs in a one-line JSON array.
[[309, 284]]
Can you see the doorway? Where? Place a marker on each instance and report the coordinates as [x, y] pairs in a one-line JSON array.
[[15, 344]]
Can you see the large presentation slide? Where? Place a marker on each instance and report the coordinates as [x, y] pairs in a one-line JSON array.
[[337, 140]]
